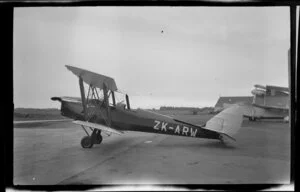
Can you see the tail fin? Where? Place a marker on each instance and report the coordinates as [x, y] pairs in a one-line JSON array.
[[227, 122]]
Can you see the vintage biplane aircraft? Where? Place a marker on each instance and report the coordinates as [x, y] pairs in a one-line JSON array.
[[269, 102], [96, 112]]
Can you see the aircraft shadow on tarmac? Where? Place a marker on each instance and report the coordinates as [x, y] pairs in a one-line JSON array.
[[116, 144], [203, 144], [132, 142], [218, 144]]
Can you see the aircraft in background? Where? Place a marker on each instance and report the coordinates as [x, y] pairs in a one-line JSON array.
[[269, 102], [98, 111]]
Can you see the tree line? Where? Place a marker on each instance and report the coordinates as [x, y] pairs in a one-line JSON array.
[[186, 108]]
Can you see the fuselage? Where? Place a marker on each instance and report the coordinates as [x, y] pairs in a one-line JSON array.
[[134, 120]]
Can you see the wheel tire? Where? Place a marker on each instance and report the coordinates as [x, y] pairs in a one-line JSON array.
[[86, 142], [99, 139]]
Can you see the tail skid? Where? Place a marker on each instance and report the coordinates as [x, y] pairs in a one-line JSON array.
[[225, 138]]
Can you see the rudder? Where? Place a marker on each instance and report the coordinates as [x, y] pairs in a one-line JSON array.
[[227, 122]]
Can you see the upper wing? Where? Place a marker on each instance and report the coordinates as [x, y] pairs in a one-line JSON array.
[[260, 86], [98, 126], [94, 79], [268, 88], [277, 88]]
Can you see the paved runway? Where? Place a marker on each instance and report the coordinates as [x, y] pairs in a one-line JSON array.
[[53, 155]]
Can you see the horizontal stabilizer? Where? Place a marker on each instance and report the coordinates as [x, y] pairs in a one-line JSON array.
[[94, 79], [228, 121], [98, 126]]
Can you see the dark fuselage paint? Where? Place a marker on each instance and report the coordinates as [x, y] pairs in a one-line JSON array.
[[135, 120]]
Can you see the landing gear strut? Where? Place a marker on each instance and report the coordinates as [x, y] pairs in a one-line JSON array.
[[252, 119], [221, 139], [88, 141], [98, 137]]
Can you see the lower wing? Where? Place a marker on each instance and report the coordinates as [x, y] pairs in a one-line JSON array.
[[272, 107], [98, 126], [41, 121]]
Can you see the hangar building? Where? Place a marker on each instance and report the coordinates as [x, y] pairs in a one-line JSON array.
[[223, 102]]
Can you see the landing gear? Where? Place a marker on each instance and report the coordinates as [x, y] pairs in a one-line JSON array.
[[88, 141], [223, 140], [226, 140], [99, 138], [252, 119]]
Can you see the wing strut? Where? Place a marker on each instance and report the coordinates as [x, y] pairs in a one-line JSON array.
[[82, 96], [127, 101], [113, 98], [106, 103]]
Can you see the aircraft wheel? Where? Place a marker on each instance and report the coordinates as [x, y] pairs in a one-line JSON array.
[[86, 142]]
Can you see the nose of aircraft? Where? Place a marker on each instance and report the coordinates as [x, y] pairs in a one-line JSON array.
[[56, 99], [258, 92]]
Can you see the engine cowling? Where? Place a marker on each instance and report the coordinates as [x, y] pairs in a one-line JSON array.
[[258, 92]]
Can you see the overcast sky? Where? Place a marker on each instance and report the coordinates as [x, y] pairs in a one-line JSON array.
[[179, 56]]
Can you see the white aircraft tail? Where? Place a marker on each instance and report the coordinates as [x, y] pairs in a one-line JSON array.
[[227, 122]]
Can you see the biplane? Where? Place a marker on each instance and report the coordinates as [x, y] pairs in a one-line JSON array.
[[97, 111], [269, 102]]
